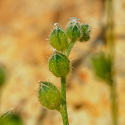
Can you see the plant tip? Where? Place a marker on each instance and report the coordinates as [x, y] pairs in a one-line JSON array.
[[47, 39], [54, 50], [11, 109], [56, 24], [74, 19]]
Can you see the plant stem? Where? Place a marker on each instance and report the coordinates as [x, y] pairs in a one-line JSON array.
[[63, 89], [0, 101], [111, 50], [64, 106], [71, 44], [114, 104], [110, 27]]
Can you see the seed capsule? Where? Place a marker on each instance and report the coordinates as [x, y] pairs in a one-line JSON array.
[[59, 64], [85, 32], [7, 114], [9, 118], [73, 29], [58, 39], [101, 65], [49, 96]]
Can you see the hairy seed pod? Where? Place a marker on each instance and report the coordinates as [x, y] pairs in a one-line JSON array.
[[58, 39], [49, 96], [59, 65], [7, 114], [73, 29], [85, 32], [9, 118]]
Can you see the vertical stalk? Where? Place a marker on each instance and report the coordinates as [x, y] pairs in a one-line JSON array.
[[111, 50], [110, 27], [63, 89], [114, 104], [71, 44], [0, 101], [64, 106]]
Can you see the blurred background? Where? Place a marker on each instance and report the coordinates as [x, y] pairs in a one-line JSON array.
[[25, 26]]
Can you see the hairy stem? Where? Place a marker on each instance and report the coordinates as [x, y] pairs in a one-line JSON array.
[[114, 104], [63, 89], [71, 44], [64, 106]]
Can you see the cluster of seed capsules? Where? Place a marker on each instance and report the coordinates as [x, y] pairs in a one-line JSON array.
[[59, 63], [59, 40]]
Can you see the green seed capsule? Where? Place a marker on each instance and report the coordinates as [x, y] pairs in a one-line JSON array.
[[58, 39], [49, 96], [7, 114], [9, 118], [101, 65], [85, 32], [73, 29], [59, 65]]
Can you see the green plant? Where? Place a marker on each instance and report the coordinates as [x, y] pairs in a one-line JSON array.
[[59, 64], [2, 81], [9, 118], [102, 66], [2, 76], [103, 63]]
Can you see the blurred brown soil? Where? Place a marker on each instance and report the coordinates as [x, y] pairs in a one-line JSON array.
[[24, 51]]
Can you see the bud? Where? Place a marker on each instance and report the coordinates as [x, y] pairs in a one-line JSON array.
[[73, 29], [49, 96], [7, 114], [9, 118], [85, 32], [101, 65], [59, 65], [58, 39]]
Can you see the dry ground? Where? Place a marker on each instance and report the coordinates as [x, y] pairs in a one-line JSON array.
[[24, 51]]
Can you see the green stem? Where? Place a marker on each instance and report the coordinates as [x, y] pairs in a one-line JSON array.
[[71, 44], [111, 50], [64, 107], [0, 101], [114, 104], [110, 27], [63, 89]]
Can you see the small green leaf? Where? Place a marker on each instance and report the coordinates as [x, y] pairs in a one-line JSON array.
[[102, 65], [59, 65], [73, 29], [58, 39], [49, 96]]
